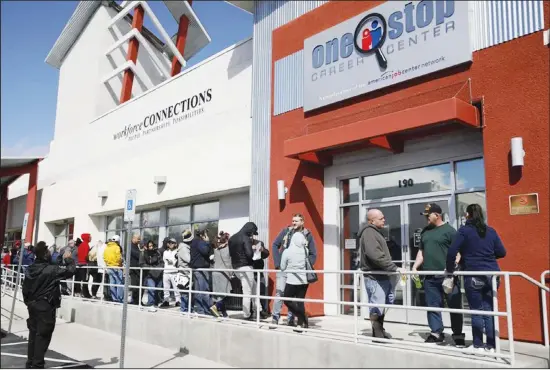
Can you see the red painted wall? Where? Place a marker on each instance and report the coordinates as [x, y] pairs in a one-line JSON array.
[[513, 81]]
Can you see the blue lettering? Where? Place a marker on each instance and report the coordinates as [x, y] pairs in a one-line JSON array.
[[424, 13], [396, 27], [444, 9], [331, 51], [346, 45], [318, 56], [409, 26]]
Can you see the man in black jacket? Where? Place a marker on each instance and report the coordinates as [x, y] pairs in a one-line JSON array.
[[42, 296], [134, 274], [242, 254]]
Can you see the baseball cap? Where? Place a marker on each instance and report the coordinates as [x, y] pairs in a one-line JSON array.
[[115, 238], [172, 240], [431, 208]]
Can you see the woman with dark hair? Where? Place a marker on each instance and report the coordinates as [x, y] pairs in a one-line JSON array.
[[151, 257], [480, 247]]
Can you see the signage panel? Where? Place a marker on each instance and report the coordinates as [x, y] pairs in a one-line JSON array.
[[391, 43], [524, 204]]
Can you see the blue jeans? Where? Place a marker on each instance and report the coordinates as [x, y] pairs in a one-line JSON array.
[[151, 293], [381, 292], [433, 289], [280, 292], [201, 282], [479, 291], [115, 277]]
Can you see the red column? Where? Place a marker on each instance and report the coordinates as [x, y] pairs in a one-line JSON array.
[[3, 212], [180, 42], [31, 202], [133, 46]]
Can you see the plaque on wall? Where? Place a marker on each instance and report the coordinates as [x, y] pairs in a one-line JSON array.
[[524, 204]]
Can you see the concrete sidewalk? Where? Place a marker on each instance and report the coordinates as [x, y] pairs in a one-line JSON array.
[[100, 349]]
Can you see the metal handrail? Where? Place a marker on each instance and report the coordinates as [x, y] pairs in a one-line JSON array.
[[545, 310], [356, 274]]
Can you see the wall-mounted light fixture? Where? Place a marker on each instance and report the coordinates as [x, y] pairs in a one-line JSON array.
[[102, 194], [281, 190], [160, 180], [517, 151]]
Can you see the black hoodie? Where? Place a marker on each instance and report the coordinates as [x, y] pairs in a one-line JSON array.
[[240, 246], [42, 280]]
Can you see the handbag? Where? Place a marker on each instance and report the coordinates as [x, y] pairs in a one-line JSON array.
[[311, 277], [182, 281]]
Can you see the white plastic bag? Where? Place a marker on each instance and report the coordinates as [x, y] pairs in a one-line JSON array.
[[448, 284]]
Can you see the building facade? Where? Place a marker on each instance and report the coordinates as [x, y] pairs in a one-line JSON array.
[[393, 105], [173, 141]]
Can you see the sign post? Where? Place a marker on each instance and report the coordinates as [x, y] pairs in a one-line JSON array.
[[18, 281], [129, 213]]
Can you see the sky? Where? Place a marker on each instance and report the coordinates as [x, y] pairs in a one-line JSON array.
[[29, 29]]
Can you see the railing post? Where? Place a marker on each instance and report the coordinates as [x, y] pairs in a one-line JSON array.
[[189, 304], [509, 319], [258, 305], [545, 310], [140, 285], [355, 308], [496, 319], [103, 285], [72, 284]]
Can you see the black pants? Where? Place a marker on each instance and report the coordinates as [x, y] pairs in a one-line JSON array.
[[41, 323], [263, 291], [134, 280], [106, 288], [80, 278], [297, 308], [96, 276]]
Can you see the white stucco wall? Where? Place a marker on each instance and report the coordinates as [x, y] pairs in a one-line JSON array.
[[204, 156], [82, 96]]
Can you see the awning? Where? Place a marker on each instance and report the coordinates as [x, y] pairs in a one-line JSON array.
[[380, 131], [13, 167]]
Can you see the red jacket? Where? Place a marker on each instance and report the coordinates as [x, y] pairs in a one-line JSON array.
[[83, 249], [7, 259]]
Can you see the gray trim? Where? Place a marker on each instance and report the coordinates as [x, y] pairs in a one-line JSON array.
[[288, 83]]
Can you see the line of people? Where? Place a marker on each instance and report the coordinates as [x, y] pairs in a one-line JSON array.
[[474, 247]]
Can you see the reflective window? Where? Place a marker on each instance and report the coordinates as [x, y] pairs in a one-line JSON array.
[[414, 181], [175, 231], [206, 211], [350, 190], [349, 254], [114, 222], [150, 218], [470, 174], [179, 215]]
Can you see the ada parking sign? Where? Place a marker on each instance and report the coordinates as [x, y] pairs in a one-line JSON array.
[[130, 205]]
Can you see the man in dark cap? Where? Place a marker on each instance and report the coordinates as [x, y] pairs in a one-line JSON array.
[[435, 240], [42, 296]]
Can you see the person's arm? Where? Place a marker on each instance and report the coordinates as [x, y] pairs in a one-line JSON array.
[[375, 253], [67, 271], [275, 249], [500, 251], [135, 252], [142, 259], [419, 258], [453, 251], [204, 248], [264, 252], [248, 249], [284, 260], [312, 249]]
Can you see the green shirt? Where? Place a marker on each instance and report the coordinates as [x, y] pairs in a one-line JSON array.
[[434, 244]]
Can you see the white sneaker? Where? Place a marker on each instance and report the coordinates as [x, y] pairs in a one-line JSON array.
[[152, 309]]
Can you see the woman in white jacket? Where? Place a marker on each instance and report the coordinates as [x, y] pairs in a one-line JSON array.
[[102, 270], [170, 272], [294, 258]]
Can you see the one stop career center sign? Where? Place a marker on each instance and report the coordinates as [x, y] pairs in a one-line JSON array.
[[389, 44]]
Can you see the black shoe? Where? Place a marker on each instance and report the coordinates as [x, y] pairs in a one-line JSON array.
[[178, 304], [264, 315], [291, 323], [434, 339], [165, 304], [459, 340]]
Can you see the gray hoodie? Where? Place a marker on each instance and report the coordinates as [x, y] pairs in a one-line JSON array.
[[294, 258], [375, 254], [184, 256]]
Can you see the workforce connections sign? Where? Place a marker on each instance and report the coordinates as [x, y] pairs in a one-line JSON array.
[[173, 114], [389, 44]]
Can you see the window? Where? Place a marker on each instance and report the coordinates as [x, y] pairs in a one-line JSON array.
[[414, 181], [11, 237], [350, 190], [470, 187], [192, 217], [63, 233], [145, 223]]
